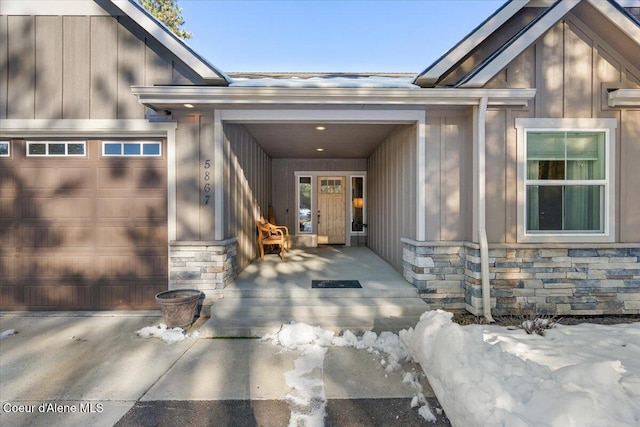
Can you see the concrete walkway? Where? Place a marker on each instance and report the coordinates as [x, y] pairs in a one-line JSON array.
[[91, 369]]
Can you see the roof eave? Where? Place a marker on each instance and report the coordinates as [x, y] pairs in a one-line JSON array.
[[159, 98], [168, 39], [430, 76]]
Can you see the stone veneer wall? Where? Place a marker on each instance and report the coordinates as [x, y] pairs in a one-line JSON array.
[[577, 280], [437, 270], [207, 266]]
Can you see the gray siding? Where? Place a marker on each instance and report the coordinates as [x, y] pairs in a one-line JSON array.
[[79, 67], [572, 67], [391, 189], [448, 175], [283, 190], [247, 187]]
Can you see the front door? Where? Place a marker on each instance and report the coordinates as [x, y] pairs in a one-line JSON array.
[[331, 210]]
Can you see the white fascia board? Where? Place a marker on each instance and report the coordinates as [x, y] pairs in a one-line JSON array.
[[432, 74], [616, 16], [51, 7], [160, 97], [624, 98], [171, 41], [314, 115], [522, 42], [70, 127]]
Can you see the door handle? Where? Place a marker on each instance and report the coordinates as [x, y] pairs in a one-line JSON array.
[[318, 216]]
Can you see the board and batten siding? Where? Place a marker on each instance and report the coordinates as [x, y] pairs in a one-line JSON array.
[[572, 67], [391, 192], [79, 67], [448, 175], [283, 190], [247, 186]]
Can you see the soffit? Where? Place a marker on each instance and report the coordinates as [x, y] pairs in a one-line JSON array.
[[300, 140]]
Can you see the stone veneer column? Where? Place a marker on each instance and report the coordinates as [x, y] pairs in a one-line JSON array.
[[204, 265], [437, 270]]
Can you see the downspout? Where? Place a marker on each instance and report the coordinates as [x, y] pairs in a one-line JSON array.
[[482, 210]]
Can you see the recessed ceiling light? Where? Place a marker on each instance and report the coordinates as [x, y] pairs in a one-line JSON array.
[[188, 105], [319, 150], [320, 128]]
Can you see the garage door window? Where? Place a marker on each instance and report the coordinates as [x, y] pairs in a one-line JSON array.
[[131, 148], [4, 149], [56, 148]]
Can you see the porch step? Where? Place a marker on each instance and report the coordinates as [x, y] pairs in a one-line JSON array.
[[299, 292], [255, 317]]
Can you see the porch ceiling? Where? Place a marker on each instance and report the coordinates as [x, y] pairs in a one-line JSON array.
[[301, 140]]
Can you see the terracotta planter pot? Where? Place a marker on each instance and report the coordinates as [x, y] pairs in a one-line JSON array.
[[178, 307]]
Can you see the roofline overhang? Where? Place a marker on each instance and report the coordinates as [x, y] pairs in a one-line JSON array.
[[434, 72], [159, 98], [488, 69], [167, 38]]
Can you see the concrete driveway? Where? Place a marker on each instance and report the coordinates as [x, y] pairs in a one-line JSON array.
[[92, 369]]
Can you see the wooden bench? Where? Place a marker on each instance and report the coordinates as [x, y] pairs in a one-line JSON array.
[[269, 234]]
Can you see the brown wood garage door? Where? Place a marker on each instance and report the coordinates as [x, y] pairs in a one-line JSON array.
[[82, 232]]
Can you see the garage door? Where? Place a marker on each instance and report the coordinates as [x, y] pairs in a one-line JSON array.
[[83, 224]]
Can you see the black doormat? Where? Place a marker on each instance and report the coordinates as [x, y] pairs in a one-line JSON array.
[[335, 284]]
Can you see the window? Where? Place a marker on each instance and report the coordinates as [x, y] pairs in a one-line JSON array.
[[5, 149], [131, 148], [304, 204], [56, 148], [357, 204], [565, 179]]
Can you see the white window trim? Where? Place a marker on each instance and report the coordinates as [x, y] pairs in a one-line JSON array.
[[8, 148], [66, 144], [122, 154], [608, 126], [313, 188]]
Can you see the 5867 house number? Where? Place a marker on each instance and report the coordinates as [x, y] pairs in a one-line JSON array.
[[206, 188]]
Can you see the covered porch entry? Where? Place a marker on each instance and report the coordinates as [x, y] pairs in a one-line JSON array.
[[269, 293]]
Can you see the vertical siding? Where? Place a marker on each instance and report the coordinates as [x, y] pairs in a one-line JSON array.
[[391, 172], [283, 188], [571, 66], [629, 218], [79, 67], [248, 170], [187, 177], [131, 63], [4, 66], [104, 67], [21, 67], [76, 66], [448, 175], [48, 91], [496, 175]]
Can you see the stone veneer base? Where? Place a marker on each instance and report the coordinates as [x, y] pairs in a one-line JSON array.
[[204, 265], [575, 279]]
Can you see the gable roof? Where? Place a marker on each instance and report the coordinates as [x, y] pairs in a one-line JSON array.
[[481, 73], [168, 39]]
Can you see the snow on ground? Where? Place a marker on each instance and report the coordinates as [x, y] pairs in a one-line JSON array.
[[307, 400], [7, 333], [165, 334], [582, 375]]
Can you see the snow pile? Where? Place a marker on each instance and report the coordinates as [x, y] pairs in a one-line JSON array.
[[327, 82], [585, 375], [308, 400], [8, 333], [167, 335]]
